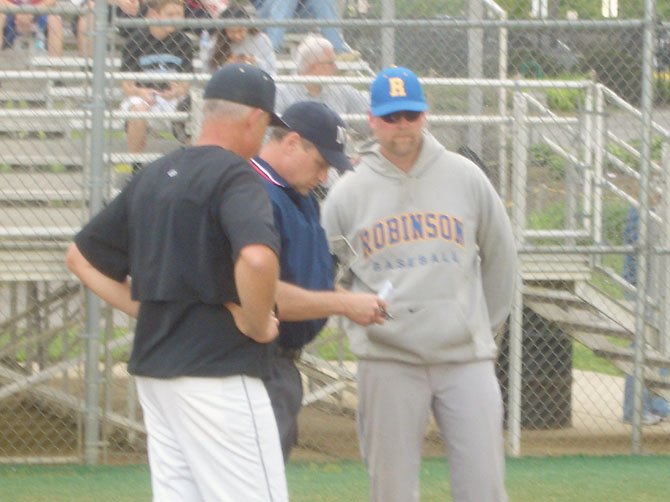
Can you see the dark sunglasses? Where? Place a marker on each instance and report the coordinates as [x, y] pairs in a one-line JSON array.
[[393, 118]]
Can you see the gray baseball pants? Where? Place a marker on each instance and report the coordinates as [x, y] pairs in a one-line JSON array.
[[394, 401]]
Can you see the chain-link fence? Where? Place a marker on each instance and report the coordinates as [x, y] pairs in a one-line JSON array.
[[565, 110]]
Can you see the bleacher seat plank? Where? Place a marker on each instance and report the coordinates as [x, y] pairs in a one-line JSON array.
[[29, 152], [49, 216], [34, 265], [284, 66], [41, 186], [27, 124], [603, 347]]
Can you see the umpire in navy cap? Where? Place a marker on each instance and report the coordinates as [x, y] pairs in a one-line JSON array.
[[291, 164], [195, 232]]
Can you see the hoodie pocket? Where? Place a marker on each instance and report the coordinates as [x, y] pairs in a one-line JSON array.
[[424, 328]]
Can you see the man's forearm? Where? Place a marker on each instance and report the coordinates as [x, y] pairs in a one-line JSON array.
[[299, 304], [117, 294], [256, 275]]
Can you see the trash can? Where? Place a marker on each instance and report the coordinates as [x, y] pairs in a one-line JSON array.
[[546, 375]]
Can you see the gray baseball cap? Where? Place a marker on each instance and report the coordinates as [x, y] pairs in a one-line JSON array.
[[247, 85]]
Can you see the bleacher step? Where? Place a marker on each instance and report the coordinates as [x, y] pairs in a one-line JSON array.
[[50, 216], [603, 347], [41, 187], [573, 319]]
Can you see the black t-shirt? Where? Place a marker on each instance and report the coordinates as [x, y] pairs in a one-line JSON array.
[[177, 230], [145, 53]]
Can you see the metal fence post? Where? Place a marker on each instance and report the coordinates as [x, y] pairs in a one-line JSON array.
[[93, 310], [388, 34], [643, 236], [519, 175]]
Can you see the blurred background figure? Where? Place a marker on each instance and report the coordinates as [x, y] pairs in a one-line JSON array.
[[654, 408], [281, 10], [241, 44], [116, 9], [203, 9], [44, 31], [315, 56], [155, 50]]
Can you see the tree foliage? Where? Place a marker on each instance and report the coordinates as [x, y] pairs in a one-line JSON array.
[[585, 9]]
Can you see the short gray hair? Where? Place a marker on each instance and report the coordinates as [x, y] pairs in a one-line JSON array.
[[310, 50], [220, 108]]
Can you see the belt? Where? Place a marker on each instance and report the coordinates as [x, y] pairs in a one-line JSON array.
[[288, 352]]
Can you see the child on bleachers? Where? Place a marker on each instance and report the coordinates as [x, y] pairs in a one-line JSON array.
[[158, 49], [46, 31]]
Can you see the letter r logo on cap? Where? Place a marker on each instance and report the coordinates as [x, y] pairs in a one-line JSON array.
[[397, 87]]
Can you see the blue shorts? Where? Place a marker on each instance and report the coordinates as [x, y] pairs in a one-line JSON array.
[[10, 28]]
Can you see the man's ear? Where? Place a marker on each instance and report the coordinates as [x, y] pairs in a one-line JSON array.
[[292, 140], [259, 115]]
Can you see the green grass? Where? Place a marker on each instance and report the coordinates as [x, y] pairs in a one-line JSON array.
[[54, 347], [584, 359], [547, 479], [333, 350]]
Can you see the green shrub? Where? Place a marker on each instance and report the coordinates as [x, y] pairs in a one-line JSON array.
[[553, 216], [542, 156], [614, 222], [549, 218], [565, 100], [662, 87], [633, 160]]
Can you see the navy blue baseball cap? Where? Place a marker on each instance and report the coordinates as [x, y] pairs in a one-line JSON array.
[[320, 125], [396, 89], [247, 85]]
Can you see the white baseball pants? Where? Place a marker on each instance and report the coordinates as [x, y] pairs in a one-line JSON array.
[[212, 439]]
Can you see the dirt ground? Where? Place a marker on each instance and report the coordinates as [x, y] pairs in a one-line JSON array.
[[328, 431], [595, 429]]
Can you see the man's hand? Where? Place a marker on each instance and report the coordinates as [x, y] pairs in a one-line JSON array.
[[238, 316], [176, 90], [147, 94], [130, 7], [365, 308], [243, 58]]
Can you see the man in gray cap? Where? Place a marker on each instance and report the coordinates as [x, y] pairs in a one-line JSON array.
[[195, 232], [292, 163]]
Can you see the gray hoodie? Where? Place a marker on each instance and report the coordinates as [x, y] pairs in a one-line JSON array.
[[440, 234]]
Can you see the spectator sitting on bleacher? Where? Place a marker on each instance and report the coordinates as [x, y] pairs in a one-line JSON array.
[[282, 10], [46, 30], [315, 57], [158, 49], [241, 44], [126, 9], [203, 9]]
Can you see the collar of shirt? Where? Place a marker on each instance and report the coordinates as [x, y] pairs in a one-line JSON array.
[[267, 172]]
